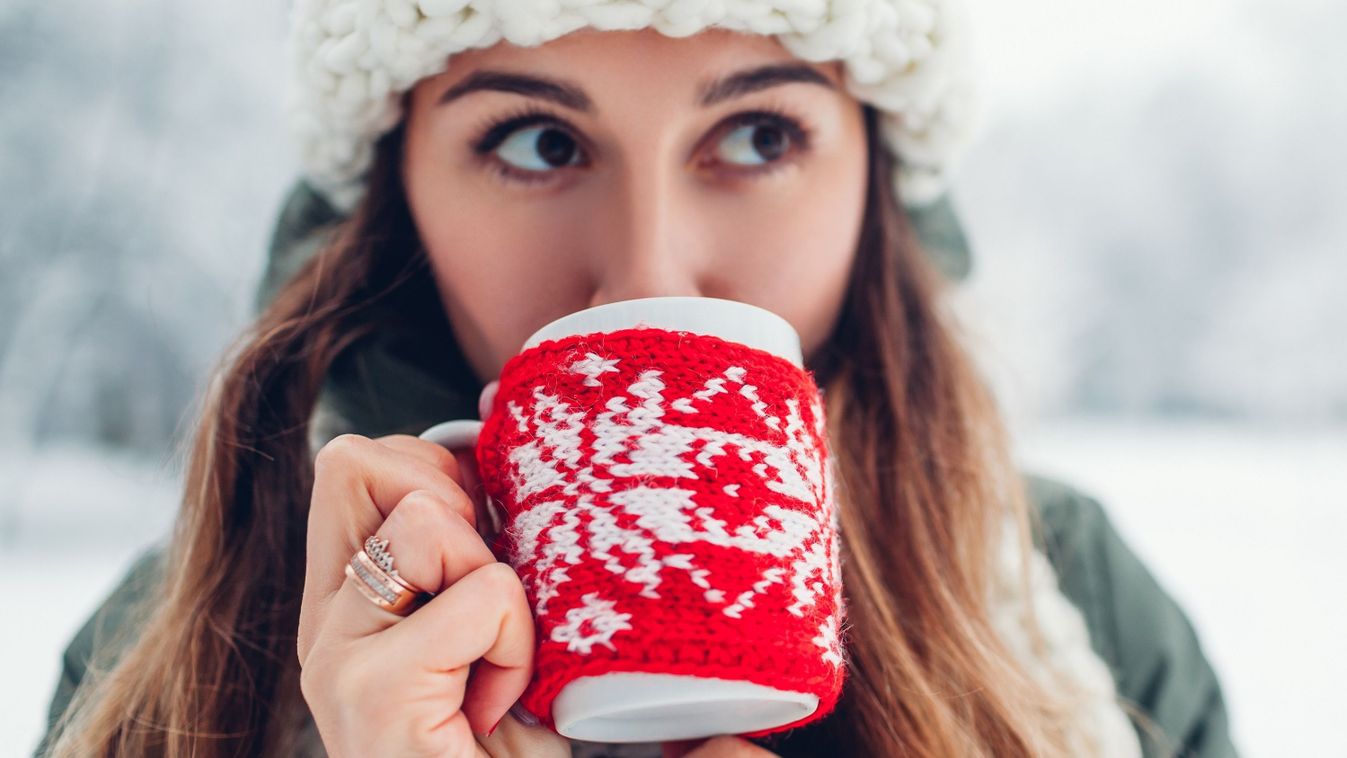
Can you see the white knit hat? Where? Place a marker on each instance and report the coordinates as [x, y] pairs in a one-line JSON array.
[[353, 59]]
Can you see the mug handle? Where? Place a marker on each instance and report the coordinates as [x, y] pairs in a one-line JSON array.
[[456, 435], [459, 433]]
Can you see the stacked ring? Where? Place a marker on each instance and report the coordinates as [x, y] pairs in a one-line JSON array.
[[379, 581]]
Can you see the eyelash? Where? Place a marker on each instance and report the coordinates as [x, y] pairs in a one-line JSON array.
[[495, 130]]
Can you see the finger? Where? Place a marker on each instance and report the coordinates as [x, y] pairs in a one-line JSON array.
[[419, 713], [357, 483], [460, 463], [461, 734], [487, 399], [484, 615], [435, 455], [432, 548], [726, 746], [489, 518], [515, 738], [471, 480], [432, 544], [485, 683], [680, 748]]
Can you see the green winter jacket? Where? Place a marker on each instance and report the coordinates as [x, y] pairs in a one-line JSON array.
[[1135, 626]]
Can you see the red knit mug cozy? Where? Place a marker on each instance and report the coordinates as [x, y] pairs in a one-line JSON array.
[[668, 504], [669, 507]]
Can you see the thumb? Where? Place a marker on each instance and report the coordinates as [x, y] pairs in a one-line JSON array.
[[472, 484], [720, 746], [512, 737], [488, 520], [487, 399], [680, 748]]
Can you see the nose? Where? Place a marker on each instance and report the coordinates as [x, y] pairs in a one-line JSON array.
[[649, 242]]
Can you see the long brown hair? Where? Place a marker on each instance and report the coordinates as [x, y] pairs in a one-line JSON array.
[[924, 476]]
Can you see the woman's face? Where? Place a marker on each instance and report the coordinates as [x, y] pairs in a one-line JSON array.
[[610, 165]]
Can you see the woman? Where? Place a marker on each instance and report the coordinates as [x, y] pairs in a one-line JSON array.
[[448, 212]]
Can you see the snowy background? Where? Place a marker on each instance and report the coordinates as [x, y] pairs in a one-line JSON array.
[[1155, 204]]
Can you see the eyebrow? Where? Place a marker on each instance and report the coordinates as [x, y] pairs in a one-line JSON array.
[[572, 96]]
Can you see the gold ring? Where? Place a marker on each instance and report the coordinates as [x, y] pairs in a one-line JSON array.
[[380, 583]]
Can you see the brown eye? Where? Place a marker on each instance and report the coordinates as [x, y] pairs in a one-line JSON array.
[[538, 148], [746, 144]]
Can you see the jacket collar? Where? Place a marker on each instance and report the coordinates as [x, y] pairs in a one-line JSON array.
[[389, 381]]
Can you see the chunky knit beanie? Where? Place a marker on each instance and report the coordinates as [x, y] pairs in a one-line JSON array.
[[354, 58]]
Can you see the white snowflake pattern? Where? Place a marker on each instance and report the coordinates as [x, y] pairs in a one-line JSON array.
[[633, 426], [595, 623], [591, 366], [827, 639]]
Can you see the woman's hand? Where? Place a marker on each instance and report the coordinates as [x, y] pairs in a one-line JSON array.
[[723, 746], [380, 684]]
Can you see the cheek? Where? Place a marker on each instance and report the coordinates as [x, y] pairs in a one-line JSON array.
[[795, 257], [496, 264]]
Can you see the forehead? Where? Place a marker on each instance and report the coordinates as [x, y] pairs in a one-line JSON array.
[[643, 58]]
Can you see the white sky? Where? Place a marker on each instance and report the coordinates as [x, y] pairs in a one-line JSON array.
[[1031, 51]]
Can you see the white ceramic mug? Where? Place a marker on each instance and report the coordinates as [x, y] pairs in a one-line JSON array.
[[635, 706]]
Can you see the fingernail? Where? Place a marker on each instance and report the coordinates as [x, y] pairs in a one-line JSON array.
[[524, 715], [490, 731], [485, 399]]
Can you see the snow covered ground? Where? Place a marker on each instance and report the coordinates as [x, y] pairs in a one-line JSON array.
[[74, 518], [1243, 526]]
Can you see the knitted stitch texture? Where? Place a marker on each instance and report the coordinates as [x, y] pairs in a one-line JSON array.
[[669, 508], [1102, 729], [353, 59]]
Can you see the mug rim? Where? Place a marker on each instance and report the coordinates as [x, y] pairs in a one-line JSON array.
[[732, 320]]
